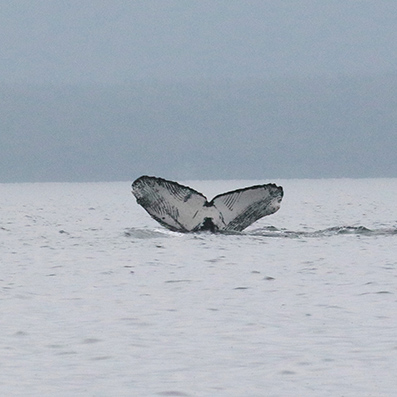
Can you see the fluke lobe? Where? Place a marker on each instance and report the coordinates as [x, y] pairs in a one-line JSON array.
[[183, 209]]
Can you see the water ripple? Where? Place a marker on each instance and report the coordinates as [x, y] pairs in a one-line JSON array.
[[328, 232]]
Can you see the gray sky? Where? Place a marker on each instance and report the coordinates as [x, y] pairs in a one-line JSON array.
[[116, 41], [100, 90]]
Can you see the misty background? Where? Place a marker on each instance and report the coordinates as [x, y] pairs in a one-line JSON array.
[[110, 90]]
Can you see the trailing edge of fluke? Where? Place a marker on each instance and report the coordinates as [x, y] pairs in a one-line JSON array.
[[183, 209]]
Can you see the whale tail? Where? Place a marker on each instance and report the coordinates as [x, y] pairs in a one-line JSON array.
[[183, 209]]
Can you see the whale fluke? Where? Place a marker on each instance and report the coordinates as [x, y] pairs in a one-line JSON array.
[[183, 209]]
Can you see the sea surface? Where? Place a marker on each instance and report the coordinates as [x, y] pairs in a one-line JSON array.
[[97, 299]]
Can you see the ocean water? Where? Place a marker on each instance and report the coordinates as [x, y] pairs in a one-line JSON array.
[[97, 299]]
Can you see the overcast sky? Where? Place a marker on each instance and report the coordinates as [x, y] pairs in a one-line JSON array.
[[74, 41], [100, 43]]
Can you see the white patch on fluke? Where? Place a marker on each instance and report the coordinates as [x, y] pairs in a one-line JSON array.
[[180, 208]]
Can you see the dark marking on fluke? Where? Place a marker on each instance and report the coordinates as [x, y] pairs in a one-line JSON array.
[[183, 209]]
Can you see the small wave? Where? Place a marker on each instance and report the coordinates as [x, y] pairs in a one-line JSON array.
[[145, 233], [269, 231], [346, 230], [331, 231]]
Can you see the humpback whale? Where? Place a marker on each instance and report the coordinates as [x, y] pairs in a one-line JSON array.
[[183, 209]]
